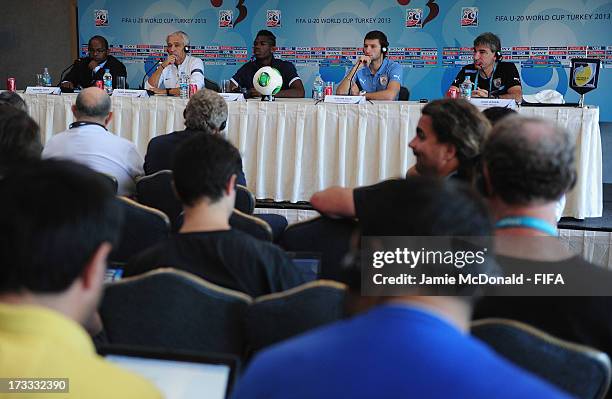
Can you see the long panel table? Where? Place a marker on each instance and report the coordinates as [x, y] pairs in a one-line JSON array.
[[293, 148]]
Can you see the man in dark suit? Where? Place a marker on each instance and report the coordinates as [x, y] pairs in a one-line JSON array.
[[87, 70], [206, 112]]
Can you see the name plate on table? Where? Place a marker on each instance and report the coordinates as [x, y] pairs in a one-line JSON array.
[[130, 93], [344, 99], [43, 90], [231, 97], [494, 102]]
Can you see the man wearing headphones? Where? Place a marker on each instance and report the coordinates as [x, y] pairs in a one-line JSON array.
[[380, 78], [165, 80], [492, 78]]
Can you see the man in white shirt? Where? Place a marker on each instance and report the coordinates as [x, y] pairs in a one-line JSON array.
[[89, 142], [165, 80]]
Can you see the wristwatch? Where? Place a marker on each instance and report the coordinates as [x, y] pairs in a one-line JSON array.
[[167, 92]]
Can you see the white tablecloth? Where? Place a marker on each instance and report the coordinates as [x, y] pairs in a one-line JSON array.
[[293, 148]]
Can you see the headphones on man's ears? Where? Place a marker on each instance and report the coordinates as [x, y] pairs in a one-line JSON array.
[[498, 56], [186, 48]]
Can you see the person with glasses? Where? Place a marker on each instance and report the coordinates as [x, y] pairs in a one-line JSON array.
[[165, 79], [86, 71], [263, 55]]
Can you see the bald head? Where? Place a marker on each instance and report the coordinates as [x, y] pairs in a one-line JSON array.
[[92, 104], [529, 160], [206, 110]]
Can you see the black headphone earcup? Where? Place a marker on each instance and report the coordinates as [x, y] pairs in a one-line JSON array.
[[186, 49]]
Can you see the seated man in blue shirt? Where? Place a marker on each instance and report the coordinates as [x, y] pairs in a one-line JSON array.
[[263, 51], [380, 79], [405, 346]]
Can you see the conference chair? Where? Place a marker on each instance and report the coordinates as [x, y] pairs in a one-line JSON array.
[[330, 237], [112, 180], [404, 94], [157, 192], [582, 371], [251, 225], [248, 224], [276, 317], [168, 308], [245, 200], [212, 85], [142, 228]]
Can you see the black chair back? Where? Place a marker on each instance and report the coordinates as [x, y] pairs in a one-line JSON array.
[[578, 369], [404, 94], [275, 317], [168, 308], [156, 192], [330, 237], [245, 200], [112, 181], [212, 85], [142, 228], [251, 225]]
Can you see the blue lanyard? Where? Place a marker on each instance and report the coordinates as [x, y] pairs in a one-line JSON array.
[[490, 78], [527, 222]]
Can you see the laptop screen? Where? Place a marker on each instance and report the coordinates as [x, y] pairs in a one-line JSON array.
[[196, 378], [308, 264]]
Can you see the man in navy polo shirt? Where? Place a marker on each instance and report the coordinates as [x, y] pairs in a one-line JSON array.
[[380, 78], [263, 51]]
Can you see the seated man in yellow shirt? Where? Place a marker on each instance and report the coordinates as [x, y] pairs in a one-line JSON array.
[[57, 225]]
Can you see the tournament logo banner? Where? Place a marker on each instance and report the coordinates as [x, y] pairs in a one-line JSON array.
[[414, 18], [273, 18], [225, 19], [469, 16], [101, 18]]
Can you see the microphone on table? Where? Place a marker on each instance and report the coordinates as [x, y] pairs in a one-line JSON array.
[[353, 75], [78, 60], [146, 75]]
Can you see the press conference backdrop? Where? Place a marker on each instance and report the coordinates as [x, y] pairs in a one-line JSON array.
[[432, 39]]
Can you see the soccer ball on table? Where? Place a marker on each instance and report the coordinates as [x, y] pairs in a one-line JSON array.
[[267, 81]]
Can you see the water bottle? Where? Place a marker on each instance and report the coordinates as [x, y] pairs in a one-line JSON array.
[[466, 88], [317, 88], [184, 85], [46, 77], [108, 82]]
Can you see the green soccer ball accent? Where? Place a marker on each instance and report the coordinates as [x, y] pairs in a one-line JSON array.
[[268, 81], [264, 79]]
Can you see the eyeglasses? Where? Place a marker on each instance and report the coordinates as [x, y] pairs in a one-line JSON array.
[[97, 50]]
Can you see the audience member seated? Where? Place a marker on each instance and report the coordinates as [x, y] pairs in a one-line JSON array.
[[206, 112], [89, 142], [19, 138], [496, 114], [13, 99], [57, 227], [447, 145], [205, 170], [529, 164], [406, 346]]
